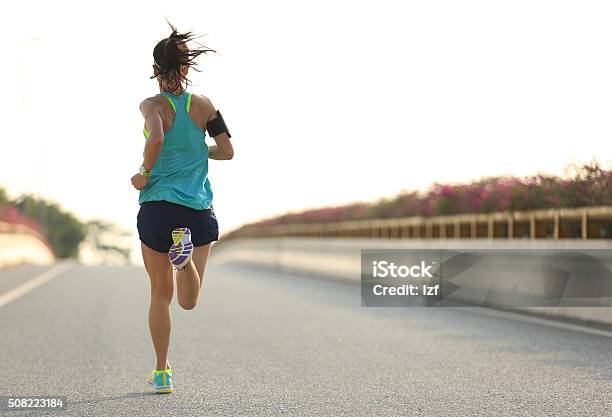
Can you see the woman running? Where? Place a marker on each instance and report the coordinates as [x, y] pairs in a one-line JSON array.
[[176, 222]]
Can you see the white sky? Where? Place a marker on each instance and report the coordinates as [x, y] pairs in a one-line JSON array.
[[328, 101]]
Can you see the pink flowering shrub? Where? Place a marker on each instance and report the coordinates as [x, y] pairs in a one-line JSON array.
[[584, 185]]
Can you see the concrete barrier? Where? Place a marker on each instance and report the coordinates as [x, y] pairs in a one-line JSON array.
[[20, 244], [340, 259]]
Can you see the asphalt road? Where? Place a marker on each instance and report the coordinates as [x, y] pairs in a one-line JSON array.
[[265, 343]]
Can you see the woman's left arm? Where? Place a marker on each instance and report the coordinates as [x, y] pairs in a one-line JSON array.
[[153, 123]]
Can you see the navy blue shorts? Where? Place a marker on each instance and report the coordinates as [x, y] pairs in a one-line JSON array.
[[157, 219]]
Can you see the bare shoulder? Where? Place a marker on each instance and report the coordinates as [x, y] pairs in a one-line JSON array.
[[150, 103], [203, 104], [202, 100]]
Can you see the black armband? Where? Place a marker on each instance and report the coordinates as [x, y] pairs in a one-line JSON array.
[[217, 126]]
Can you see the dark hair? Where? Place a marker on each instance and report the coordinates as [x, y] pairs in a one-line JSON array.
[[171, 53]]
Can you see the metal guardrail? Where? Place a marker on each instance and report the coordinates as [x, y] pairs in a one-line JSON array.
[[563, 223]]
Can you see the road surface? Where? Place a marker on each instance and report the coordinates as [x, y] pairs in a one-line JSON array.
[[266, 344]]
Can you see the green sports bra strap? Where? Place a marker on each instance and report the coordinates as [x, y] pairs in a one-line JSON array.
[[188, 102], [170, 101]]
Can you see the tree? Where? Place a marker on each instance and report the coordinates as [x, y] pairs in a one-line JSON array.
[[3, 197], [106, 243], [63, 230]]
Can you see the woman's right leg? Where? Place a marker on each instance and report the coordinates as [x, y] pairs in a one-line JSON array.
[[189, 280], [162, 288]]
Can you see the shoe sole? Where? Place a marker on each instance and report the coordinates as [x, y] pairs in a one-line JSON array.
[[177, 234], [180, 254]]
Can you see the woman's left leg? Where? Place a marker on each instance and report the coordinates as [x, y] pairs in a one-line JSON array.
[[162, 287]]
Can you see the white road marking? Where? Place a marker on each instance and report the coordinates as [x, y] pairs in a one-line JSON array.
[[37, 281]]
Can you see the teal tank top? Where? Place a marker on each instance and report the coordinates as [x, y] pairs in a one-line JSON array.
[[180, 174]]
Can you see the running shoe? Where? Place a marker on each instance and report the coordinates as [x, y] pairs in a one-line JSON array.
[[152, 374], [182, 249], [161, 381]]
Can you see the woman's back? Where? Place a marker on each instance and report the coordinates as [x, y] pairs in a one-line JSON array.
[[180, 174]]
